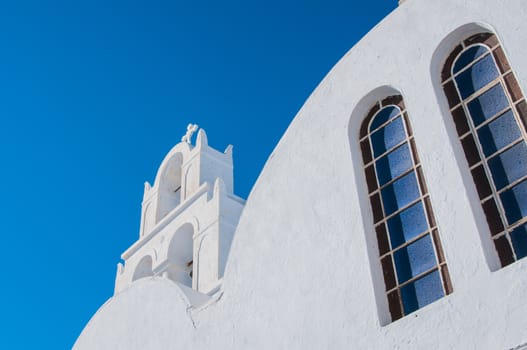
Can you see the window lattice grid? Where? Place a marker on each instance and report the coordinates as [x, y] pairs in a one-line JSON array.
[[410, 253], [490, 113]]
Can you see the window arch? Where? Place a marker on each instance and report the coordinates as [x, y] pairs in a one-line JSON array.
[[413, 264], [489, 112]]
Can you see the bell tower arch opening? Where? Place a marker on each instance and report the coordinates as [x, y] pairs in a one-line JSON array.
[[144, 268], [170, 186], [180, 255]]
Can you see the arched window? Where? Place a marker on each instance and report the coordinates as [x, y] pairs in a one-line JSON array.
[[412, 261], [490, 112]]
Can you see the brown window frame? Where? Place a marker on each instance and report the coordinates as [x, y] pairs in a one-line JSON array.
[[380, 220], [488, 194]]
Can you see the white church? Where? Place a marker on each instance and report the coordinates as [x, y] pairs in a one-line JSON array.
[[405, 229]]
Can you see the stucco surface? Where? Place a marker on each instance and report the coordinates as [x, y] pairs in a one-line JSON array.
[[302, 271], [150, 315]]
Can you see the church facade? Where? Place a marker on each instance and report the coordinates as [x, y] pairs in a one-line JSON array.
[[406, 229]]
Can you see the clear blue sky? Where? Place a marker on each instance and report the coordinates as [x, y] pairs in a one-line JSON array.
[[94, 93]]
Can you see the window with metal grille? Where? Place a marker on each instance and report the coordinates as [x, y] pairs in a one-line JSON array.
[[489, 111], [411, 257]]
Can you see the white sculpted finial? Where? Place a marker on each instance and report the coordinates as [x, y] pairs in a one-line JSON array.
[[191, 129]]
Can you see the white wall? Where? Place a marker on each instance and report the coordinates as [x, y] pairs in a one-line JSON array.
[[299, 275]]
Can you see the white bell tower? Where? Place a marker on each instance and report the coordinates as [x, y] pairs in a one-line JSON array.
[[188, 219]]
